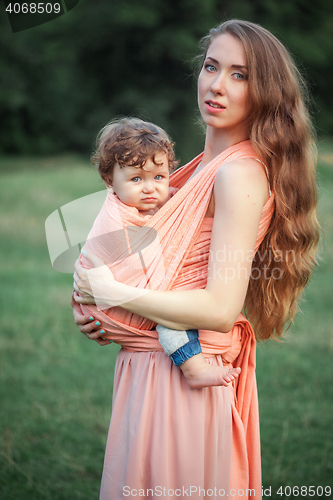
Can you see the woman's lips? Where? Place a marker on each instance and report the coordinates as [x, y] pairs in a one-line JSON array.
[[214, 107]]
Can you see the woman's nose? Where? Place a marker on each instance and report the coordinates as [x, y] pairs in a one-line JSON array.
[[218, 85]]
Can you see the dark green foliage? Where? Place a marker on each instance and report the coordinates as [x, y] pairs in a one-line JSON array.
[[62, 81]]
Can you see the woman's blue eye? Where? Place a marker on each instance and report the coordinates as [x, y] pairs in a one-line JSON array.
[[239, 76], [210, 67]]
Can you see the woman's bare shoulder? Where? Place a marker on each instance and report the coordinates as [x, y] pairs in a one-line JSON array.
[[242, 176]]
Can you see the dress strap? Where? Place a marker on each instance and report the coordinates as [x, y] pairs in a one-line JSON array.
[[269, 186]]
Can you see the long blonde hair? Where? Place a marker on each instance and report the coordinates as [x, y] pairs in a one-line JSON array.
[[282, 135]]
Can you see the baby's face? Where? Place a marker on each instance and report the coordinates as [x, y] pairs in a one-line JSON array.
[[143, 188]]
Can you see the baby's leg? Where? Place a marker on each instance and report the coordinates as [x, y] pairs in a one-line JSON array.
[[184, 349], [200, 374]]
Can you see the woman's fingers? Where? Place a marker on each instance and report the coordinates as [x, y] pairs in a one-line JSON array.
[[79, 317], [89, 328], [77, 313], [79, 280], [97, 334], [80, 275], [84, 300], [76, 277], [82, 286], [103, 342], [75, 287], [73, 303], [96, 262], [85, 323], [88, 325], [78, 268], [81, 294], [80, 271]]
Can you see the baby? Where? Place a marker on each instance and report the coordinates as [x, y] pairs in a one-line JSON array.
[[134, 158]]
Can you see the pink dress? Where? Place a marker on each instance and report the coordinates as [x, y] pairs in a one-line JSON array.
[[167, 440]]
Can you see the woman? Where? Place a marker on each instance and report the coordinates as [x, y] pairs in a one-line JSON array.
[[261, 202]]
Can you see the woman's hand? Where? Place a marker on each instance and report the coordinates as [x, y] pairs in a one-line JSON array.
[[87, 326], [98, 286], [91, 284]]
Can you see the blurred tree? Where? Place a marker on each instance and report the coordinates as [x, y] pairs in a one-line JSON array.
[[62, 81]]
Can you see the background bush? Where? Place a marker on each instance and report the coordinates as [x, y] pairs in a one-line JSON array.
[[62, 81]]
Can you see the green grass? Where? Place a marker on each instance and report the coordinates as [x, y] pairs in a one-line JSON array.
[[295, 378], [56, 386]]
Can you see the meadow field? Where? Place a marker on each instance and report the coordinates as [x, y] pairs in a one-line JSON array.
[[56, 385]]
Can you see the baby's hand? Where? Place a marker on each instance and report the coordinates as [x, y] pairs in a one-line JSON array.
[[172, 192]]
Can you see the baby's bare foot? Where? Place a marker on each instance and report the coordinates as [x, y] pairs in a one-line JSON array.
[[199, 373]]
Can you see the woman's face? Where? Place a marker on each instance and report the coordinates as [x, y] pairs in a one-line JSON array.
[[223, 86]]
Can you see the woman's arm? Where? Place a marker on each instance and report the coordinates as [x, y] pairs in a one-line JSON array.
[[240, 191]]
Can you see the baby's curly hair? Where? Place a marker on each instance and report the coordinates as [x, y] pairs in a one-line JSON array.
[[130, 142]]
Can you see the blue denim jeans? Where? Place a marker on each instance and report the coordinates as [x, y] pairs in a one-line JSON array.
[[180, 345]]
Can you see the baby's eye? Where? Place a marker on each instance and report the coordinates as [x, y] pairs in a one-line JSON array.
[[210, 67], [136, 179], [158, 177]]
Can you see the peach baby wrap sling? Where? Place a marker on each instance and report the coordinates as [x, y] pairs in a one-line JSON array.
[[165, 245]]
